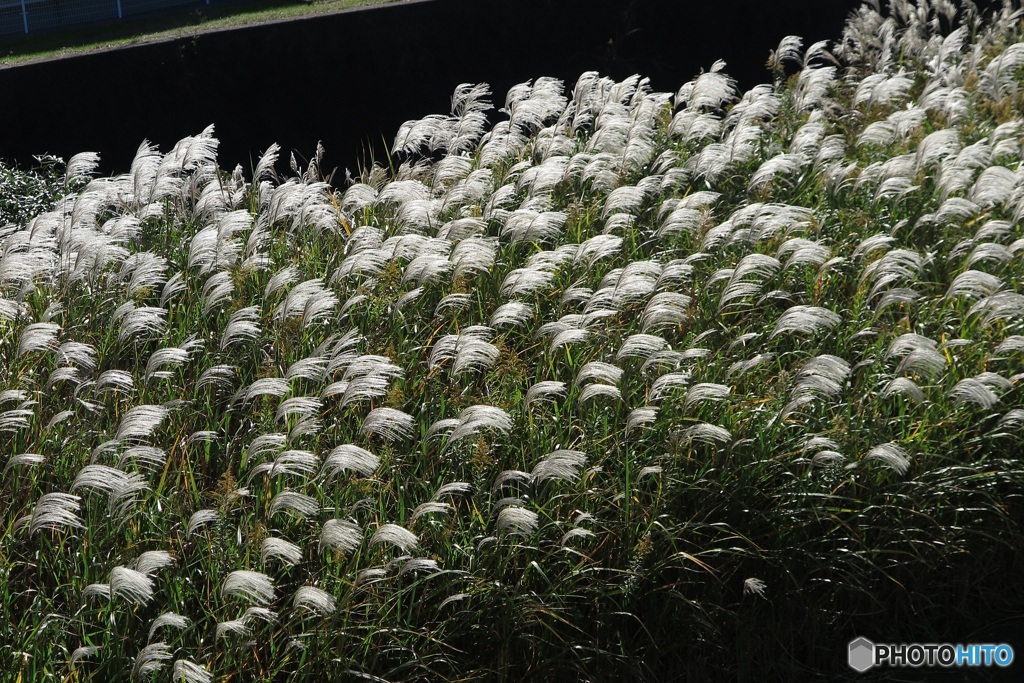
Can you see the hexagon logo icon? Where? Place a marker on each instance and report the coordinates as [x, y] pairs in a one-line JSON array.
[[861, 654]]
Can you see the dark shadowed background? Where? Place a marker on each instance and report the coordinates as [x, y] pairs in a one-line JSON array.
[[351, 79]]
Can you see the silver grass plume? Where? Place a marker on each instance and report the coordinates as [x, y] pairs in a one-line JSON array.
[[891, 455], [388, 423], [392, 534], [641, 418], [474, 419], [514, 520], [153, 560], [280, 549], [902, 386], [315, 600], [544, 392], [295, 503], [562, 464], [140, 422], [201, 518], [253, 587], [40, 337], [704, 392], [430, 507], [596, 389], [150, 659], [454, 488], [186, 671], [131, 585], [54, 511], [350, 458], [83, 652], [704, 432], [168, 620], [340, 534], [808, 320]]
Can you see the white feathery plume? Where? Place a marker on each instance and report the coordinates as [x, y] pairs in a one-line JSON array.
[[807, 320], [302, 406], [201, 518], [315, 600], [754, 586], [704, 432], [161, 358], [641, 418], [523, 225], [312, 368], [473, 255], [253, 587], [266, 386], [1014, 342], [38, 337], [185, 671], [514, 520], [350, 458], [974, 284], [54, 511], [174, 286], [545, 392], [388, 423], [340, 534], [640, 346], [281, 279], [475, 419], [216, 290], [918, 356], [526, 281], [704, 392], [96, 590], [902, 386], [454, 488], [150, 659], [891, 455], [153, 560], [280, 549], [308, 299], [298, 504], [428, 508], [562, 464], [80, 167], [822, 376], [1001, 306], [419, 564], [140, 321], [665, 309], [24, 459], [114, 380], [973, 391], [294, 462], [216, 377], [168, 620], [131, 585], [395, 535], [140, 422], [80, 355], [593, 390], [710, 91], [144, 272]]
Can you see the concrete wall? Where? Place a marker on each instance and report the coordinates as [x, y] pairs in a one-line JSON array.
[[351, 79]]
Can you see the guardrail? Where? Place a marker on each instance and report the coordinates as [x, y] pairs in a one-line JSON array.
[[25, 17]]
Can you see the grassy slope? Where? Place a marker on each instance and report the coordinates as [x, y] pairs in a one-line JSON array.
[[631, 386], [168, 26]]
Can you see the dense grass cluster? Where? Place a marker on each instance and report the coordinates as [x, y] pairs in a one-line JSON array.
[[628, 385]]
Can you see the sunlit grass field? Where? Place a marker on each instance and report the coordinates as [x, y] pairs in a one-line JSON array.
[[612, 384]]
